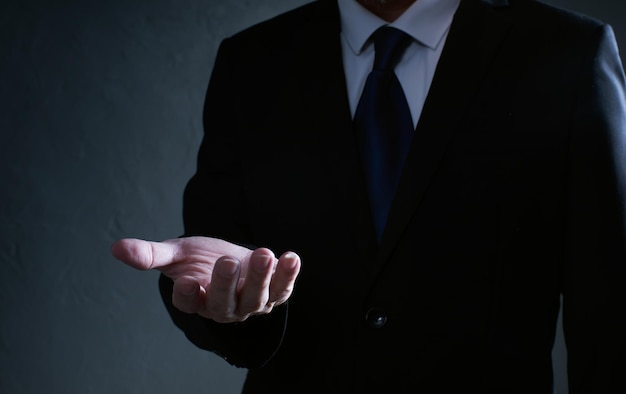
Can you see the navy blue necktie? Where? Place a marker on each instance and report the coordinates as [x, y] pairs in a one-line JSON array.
[[383, 123]]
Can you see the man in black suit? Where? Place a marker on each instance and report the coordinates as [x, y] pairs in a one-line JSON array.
[[512, 196]]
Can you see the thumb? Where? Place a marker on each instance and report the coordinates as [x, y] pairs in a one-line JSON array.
[[143, 255]]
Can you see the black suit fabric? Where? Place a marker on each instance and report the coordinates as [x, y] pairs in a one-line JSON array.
[[512, 196]]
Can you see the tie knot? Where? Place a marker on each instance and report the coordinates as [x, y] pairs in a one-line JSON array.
[[389, 45]]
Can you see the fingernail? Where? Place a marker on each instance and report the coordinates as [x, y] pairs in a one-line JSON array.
[[261, 263], [292, 258], [228, 268]]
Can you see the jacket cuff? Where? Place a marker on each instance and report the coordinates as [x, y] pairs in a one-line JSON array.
[[249, 344]]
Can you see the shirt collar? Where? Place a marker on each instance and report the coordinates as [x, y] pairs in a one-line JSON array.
[[427, 21]]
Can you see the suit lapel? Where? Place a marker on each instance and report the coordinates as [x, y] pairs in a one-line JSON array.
[[327, 109], [477, 31]]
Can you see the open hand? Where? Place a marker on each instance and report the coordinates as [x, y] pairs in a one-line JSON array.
[[214, 278]]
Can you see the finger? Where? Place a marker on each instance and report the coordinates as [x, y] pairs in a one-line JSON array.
[[144, 255], [254, 294], [283, 281], [188, 296], [221, 299]]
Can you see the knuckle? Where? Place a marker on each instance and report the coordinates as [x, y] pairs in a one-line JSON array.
[[252, 306], [184, 304], [219, 310]]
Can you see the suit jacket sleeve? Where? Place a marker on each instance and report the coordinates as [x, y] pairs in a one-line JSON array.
[[213, 206], [594, 286]]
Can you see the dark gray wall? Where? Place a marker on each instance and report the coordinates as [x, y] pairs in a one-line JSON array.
[[100, 105]]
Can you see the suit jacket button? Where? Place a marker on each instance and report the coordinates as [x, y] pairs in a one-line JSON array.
[[375, 318]]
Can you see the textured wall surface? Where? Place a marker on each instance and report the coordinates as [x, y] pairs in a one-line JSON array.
[[100, 120]]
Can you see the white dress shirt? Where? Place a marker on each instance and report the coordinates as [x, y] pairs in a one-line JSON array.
[[427, 21]]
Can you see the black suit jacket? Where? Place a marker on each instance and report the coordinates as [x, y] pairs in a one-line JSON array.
[[513, 195]]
